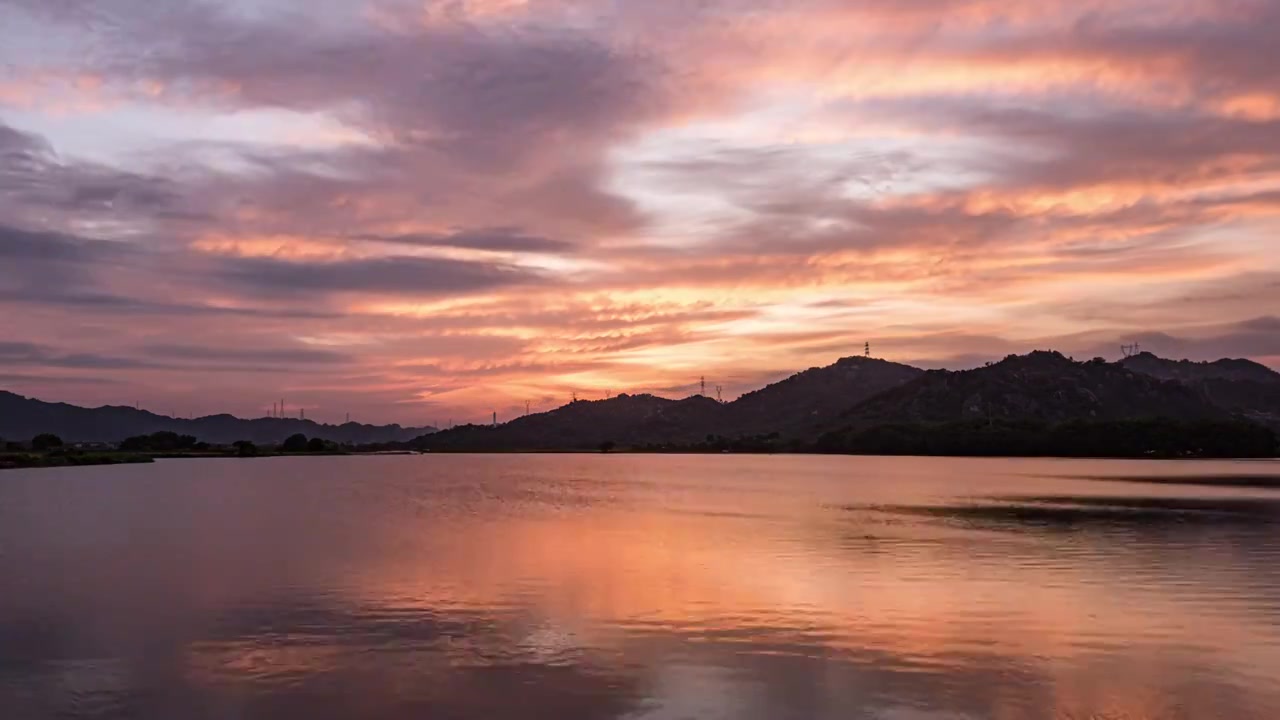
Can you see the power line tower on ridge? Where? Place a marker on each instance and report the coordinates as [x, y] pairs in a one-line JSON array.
[[702, 383], [867, 350], [1131, 350]]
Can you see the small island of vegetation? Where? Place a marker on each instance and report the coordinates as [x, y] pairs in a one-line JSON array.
[[49, 450]]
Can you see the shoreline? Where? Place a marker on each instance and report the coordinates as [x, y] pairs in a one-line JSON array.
[[28, 461], [34, 460]]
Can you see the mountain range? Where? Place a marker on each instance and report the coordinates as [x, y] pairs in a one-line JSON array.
[[849, 396], [21, 418], [1243, 387], [800, 406], [1041, 387]]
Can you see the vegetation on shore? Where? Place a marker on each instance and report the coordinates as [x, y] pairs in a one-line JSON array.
[[48, 450], [14, 460], [1154, 438]]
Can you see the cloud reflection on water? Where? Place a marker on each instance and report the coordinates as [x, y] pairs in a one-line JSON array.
[[585, 587]]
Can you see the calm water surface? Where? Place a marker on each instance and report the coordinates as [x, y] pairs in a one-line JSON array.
[[588, 586]]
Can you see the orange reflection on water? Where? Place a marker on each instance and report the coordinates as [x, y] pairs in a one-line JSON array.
[[632, 586]]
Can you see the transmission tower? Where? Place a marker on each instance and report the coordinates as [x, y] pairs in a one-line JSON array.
[[575, 396], [526, 407], [719, 396], [867, 350], [702, 383], [1131, 350], [495, 418]]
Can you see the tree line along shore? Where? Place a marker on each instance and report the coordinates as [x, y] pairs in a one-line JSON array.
[[1151, 438], [49, 450]]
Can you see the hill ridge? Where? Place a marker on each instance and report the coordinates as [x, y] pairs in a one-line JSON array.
[[1039, 386], [1043, 385], [796, 407], [22, 417]]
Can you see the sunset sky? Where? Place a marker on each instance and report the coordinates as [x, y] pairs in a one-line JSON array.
[[418, 211]]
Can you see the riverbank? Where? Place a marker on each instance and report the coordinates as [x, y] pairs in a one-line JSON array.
[[15, 461], [23, 460]]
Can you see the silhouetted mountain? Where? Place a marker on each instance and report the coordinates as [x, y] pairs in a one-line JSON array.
[[1241, 386], [627, 420], [22, 418], [1046, 404], [1189, 372], [812, 400], [854, 394], [795, 407], [1042, 387]]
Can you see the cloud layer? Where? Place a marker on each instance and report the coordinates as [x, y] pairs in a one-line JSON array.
[[424, 210]]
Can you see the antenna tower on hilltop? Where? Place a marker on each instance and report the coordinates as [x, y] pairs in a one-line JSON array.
[[526, 407], [495, 418], [1131, 350], [867, 350], [702, 383], [719, 395]]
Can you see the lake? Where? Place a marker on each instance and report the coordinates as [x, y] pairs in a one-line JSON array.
[[625, 586]]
